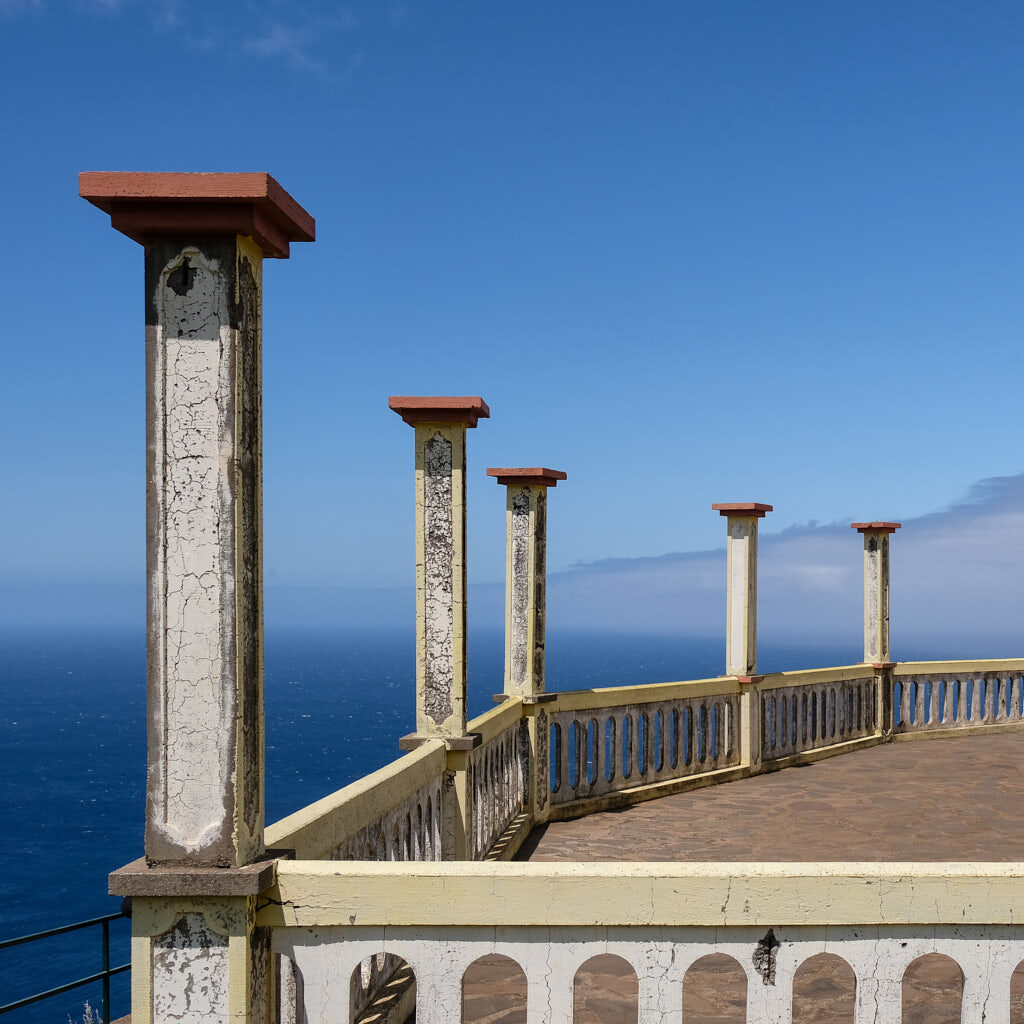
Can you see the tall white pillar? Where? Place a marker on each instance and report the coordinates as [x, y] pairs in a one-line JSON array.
[[741, 585], [876, 589], [205, 238], [197, 954], [526, 518], [440, 423]]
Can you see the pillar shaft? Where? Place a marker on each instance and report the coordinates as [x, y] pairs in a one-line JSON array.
[[204, 551], [441, 652], [876, 589], [205, 237], [525, 576], [741, 585]]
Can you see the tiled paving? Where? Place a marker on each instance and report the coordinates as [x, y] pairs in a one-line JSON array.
[[930, 800], [954, 798]]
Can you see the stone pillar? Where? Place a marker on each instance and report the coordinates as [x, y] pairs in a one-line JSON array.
[[876, 589], [876, 619], [525, 575], [196, 952], [205, 236], [440, 424], [741, 585]]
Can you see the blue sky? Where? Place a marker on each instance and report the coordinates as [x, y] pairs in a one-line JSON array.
[[687, 251]]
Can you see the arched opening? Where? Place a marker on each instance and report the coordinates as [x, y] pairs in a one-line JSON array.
[[824, 991], [715, 991], [1017, 995], [382, 987], [605, 991], [933, 991], [287, 991], [494, 991]]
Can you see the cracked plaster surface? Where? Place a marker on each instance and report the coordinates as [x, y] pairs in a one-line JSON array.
[[519, 540], [205, 658], [439, 579], [190, 974], [197, 580]]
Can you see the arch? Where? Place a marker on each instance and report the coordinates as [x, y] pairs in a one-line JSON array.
[[605, 989], [494, 991], [933, 990], [1017, 995], [824, 991], [381, 984], [715, 991], [288, 995]]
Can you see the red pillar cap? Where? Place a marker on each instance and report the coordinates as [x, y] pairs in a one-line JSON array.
[[439, 408], [875, 527], [535, 475], [742, 508], [145, 205]]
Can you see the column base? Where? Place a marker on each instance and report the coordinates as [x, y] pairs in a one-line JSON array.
[[140, 879]]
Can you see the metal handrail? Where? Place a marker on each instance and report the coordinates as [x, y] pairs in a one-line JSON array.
[[104, 975]]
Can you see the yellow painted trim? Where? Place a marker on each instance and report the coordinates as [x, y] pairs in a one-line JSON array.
[[814, 676], [643, 693], [953, 731], [921, 668], [641, 794], [325, 824], [494, 722], [317, 894], [806, 757]]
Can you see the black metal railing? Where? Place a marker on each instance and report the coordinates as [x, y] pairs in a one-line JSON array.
[[103, 976]]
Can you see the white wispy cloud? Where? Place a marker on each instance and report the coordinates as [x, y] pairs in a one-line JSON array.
[[12, 8], [955, 572]]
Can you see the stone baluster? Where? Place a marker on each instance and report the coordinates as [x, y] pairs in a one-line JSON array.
[[876, 616], [205, 238], [741, 617]]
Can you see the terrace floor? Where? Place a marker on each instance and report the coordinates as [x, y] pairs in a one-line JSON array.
[[947, 799], [951, 798]]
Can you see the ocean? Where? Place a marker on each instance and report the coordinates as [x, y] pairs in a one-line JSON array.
[[72, 757]]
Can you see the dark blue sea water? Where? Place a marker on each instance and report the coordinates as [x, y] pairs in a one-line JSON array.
[[72, 757]]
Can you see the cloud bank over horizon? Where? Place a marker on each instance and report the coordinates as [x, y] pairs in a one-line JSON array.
[[955, 573], [955, 576]]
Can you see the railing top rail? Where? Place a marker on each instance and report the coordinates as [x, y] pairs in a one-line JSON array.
[[5, 943], [657, 894], [494, 722], [813, 676], [644, 693], [321, 825], [914, 668]]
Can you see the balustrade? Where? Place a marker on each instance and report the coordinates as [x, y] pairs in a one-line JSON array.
[[943, 698], [799, 718]]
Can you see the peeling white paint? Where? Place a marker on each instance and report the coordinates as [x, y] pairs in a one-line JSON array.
[[190, 974], [194, 572]]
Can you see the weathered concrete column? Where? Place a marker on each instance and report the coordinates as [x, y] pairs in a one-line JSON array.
[[197, 954], [440, 424], [741, 585], [526, 519], [205, 237], [876, 588]]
